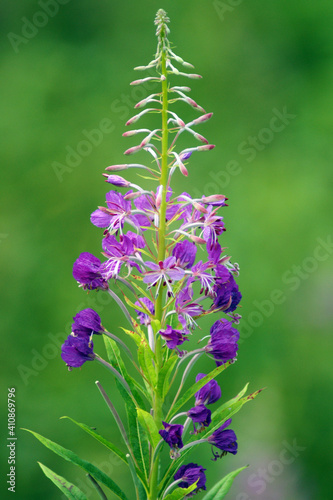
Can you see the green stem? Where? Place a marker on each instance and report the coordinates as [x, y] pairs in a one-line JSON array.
[[158, 401]]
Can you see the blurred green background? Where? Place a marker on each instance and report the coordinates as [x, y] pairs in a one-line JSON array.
[[59, 81]]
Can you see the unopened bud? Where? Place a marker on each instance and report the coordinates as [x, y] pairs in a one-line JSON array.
[[206, 147], [116, 180], [202, 119], [185, 156], [115, 168], [213, 198], [198, 240], [200, 208], [132, 150], [201, 138], [132, 196], [183, 169], [159, 196]]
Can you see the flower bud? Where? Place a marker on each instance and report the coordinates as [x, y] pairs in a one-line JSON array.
[[200, 138], [132, 150], [206, 147], [196, 205], [196, 239], [115, 168], [116, 180], [213, 197], [201, 119]]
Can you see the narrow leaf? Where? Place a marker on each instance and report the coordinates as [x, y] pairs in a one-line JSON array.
[[180, 493], [69, 490], [99, 438], [91, 469], [221, 488], [148, 423]]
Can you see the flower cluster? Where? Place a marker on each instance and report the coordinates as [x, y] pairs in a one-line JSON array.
[[162, 253]]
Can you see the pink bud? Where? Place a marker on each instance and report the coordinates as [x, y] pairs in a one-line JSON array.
[[201, 138], [183, 169], [202, 119], [132, 150], [114, 168], [206, 147], [200, 208], [196, 239], [193, 76], [214, 197], [132, 196], [159, 196]]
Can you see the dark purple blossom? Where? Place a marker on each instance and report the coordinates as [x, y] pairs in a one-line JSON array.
[[172, 337], [209, 393], [86, 323], [190, 474], [172, 434], [76, 351], [223, 342], [225, 440], [87, 272], [226, 289], [185, 253], [200, 415], [144, 303]]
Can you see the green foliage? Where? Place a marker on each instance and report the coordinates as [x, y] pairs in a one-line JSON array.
[[221, 488], [91, 469], [69, 490]]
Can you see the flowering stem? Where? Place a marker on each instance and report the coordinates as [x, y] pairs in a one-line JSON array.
[[161, 252]]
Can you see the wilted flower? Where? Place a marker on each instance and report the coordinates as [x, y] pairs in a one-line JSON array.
[[189, 474], [223, 342], [225, 440], [87, 272], [87, 322], [76, 351], [209, 393], [172, 434], [200, 415]]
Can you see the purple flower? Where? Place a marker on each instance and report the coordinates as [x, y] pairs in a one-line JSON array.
[[172, 337], [186, 309], [76, 351], [137, 240], [172, 435], [117, 212], [185, 253], [86, 271], [200, 415], [86, 323], [209, 393], [223, 342], [212, 227], [163, 272], [116, 180], [225, 440], [198, 272], [118, 253], [189, 474], [226, 289], [144, 303]]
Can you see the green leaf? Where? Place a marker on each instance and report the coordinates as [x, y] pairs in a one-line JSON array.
[[148, 423], [91, 469], [229, 409], [196, 387], [116, 361], [99, 438], [221, 488], [69, 490], [180, 493], [145, 358], [164, 376]]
